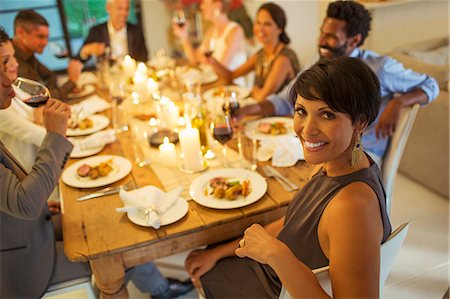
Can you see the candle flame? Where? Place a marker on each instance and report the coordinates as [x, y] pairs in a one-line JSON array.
[[166, 140]]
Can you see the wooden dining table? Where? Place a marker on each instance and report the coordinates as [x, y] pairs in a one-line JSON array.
[[94, 232]]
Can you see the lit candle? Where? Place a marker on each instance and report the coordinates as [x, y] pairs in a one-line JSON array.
[[190, 146], [168, 113], [135, 97], [167, 152], [152, 87], [142, 68], [129, 66], [140, 84]]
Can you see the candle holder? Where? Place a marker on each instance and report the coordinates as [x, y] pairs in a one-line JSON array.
[[182, 169], [156, 139]]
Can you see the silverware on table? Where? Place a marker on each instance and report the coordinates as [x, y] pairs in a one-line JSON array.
[[108, 191], [284, 181]]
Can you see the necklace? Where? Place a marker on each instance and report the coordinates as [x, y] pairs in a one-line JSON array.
[[267, 60]]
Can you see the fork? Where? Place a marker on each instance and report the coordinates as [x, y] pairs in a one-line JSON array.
[[270, 174]]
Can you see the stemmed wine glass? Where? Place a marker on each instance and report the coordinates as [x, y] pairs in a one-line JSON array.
[[222, 131], [231, 103], [58, 50], [209, 50], [30, 92], [179, 17]]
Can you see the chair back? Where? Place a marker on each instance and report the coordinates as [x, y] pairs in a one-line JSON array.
[[388, 253], [394, 151]]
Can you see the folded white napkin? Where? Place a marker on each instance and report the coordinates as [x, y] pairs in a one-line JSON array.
[[151, 200], [91, 105], [93, 141], [284, 151]]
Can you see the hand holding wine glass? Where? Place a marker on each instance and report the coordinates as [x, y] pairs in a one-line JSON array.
[[31, 92], [56, 116], [222, 131]]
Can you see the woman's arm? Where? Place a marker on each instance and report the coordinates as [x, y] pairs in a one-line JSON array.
[[201, 261], [277, 76], [227, 75], [350, 233], [194, 56]]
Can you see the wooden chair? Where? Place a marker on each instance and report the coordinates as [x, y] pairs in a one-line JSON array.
[[388, 253], [394, 152]]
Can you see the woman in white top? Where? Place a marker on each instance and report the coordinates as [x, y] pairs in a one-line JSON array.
[[19, 132], [224, 37]]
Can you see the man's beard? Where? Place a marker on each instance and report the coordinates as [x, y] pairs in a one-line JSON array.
[[335, 52]]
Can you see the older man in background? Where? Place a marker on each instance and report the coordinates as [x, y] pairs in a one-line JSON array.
[[120, 37], [31, 32]]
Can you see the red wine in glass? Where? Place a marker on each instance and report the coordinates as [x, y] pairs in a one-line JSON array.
[[208, 53], [223, 134], [180, 22], [36, 101]]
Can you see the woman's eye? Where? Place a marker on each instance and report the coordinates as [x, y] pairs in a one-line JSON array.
[[300, 111], [5, 61], [329, 115]]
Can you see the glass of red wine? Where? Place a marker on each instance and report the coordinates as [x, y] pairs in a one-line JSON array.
[[31, 92], [222, 131], [179, 17], [231, 104]]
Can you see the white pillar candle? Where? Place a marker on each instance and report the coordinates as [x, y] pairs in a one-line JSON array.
[[168, 113], [152, 87], [173, 115], [190, 146], [141, 68], [140, 84], [167, 152], [129, 66]]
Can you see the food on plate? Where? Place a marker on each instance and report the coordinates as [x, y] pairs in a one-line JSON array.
[[94, 172], [83, 124], [273, 128], [227, 188]]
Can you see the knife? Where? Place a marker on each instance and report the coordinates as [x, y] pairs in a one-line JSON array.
[[106, 191], [285, 179]]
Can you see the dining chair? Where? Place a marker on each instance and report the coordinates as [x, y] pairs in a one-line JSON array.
[[394, 152], [388, 253], [75, 288]]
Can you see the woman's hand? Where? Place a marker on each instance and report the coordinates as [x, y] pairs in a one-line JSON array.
[[199, 262], [258, 244], [54, 207]]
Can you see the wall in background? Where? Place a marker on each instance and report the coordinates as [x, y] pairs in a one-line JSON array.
[[395, 23]]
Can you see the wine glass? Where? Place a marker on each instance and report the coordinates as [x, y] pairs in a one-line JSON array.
[[209, 50], [231, 104], [31, 92], [179, 17], [222, 131], [58, 50]]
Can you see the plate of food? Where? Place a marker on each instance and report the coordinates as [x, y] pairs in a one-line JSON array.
[[269, 127], [82, 153], [225, 91], [82, 91], [172, 215], [228, 188], [96, 171], [87, 125]]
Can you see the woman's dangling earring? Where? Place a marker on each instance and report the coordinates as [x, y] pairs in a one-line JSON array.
[[357, 152]]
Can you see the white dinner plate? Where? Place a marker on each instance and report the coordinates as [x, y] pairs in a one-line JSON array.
[[258, 186], [204, 76], [175, 213], [121, 168], [100, 122], [86, 152], [251, 128], [215, 93], [86, 90]]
